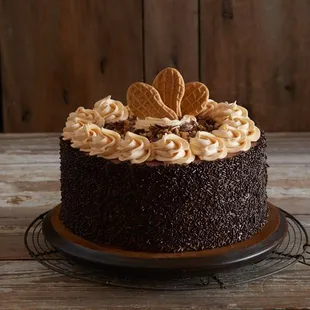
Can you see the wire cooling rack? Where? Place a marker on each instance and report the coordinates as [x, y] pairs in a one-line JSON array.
[[294, 248]]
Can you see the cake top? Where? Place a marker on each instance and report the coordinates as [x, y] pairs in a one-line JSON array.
[[169, 122]]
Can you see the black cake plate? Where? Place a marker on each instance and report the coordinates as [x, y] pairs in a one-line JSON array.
[[213, 260]]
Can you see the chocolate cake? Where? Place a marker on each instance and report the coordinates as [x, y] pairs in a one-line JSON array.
[[169, 183]]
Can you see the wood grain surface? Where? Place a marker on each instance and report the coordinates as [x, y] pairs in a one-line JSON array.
[[28, 285], [171, 37], [29, 185], [257, 52], [59, 55]]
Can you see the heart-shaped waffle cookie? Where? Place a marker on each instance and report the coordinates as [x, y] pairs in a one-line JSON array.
[[145, 101], [171, 87], [195, 98]]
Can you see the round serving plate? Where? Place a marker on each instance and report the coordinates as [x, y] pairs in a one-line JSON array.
[[213, 260]]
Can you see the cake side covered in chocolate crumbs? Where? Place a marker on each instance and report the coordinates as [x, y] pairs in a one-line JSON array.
[[164, 208]]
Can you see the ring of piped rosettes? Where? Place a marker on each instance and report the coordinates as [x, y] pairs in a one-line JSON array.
[[169, 121]]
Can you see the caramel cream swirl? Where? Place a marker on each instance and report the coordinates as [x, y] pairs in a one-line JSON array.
[[105, 144], [238, 110], [172, 149], [82, 137], [234, 139], [221, 112], [134, 148], [72, 126], [78, 119], [208, 146], [111, 110], [211, 105], [246, 125], [86, 116], [146, 123], [224, 110]]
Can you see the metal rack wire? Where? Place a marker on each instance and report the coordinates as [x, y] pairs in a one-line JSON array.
[[294, 248]]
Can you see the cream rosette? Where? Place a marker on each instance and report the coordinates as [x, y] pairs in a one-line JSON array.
[[238, 110], [207, 146], [146, 123], [111, 110], [71, 126], [78, 119], [224, 110], [134, 148], [246, 125], [234, 139], [211, 105], [82, 137], [172, 149], [221, 112], [86, 116], [105, 144]]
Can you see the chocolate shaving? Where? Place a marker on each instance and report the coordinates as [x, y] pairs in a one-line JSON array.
[[156, 132]]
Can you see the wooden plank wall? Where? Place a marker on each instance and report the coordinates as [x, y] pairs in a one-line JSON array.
[[58, 55]]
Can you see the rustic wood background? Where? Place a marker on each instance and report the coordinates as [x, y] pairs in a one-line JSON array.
[[57, 55]]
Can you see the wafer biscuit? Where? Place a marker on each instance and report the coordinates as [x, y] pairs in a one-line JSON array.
[[171, 87], [195, 98], [145, 101]]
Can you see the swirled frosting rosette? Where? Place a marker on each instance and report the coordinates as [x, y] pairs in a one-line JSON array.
[[238, 110], [87, 116], [71, 126], [134, 148], [207, 146], [111, 110], [221, 112], [235, 140], [172, 149], [246, 125], [224, 110], [82, 137], [210, 106], [78, 119], [105, 144]]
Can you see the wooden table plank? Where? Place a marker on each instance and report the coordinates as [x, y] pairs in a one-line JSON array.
[[29, 185], [28, 285], [31, 174]]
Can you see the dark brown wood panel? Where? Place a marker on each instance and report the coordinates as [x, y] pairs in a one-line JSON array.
[[58, 55], [1, 110], [258, 53], [171, 37]]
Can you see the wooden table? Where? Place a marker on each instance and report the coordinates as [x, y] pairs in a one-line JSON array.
[[29, 185]]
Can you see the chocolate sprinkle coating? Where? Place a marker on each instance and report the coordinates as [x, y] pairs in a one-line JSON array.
[[164, 208]]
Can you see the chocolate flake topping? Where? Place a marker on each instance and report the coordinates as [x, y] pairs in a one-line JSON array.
[[186, 131]]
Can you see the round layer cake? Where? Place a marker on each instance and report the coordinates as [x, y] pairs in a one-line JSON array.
[[172, 171], [164, 208]]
